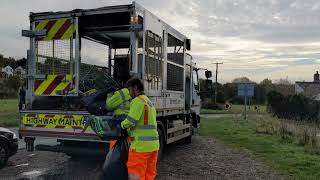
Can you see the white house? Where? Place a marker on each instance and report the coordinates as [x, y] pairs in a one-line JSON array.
[[8, 71], [309, 89]]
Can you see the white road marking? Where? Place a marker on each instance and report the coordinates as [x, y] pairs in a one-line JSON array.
[[20, 165], [32, 173]]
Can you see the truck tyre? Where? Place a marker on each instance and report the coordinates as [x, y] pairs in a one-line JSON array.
[[188, 139], [4, 154], [162, 144]]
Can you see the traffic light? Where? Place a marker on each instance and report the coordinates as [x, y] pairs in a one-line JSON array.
[[208, 74]]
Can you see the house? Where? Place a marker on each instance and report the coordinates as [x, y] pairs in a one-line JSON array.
[[19, 71], [8, 71], [309, 89]]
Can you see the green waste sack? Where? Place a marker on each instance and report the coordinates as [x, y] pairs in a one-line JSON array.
[[115, 165]]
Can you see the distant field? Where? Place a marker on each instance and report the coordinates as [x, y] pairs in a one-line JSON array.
[[287, 158], [236, 109], [8, 112]]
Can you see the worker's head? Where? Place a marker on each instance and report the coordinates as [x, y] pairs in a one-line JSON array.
[[135, 87]]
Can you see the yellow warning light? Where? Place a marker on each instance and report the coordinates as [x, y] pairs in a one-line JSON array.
[[134, 19]]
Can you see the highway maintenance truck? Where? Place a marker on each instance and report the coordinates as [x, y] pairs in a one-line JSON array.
[[73, 53]]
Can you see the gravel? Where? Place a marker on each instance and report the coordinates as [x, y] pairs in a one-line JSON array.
[[205, 158]]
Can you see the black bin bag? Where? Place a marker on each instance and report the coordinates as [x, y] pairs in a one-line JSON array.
[[115, 167]]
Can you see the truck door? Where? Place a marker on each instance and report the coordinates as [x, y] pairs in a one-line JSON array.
[[54, 58]]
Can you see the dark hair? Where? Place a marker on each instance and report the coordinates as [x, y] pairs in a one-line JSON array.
[[135, 82]]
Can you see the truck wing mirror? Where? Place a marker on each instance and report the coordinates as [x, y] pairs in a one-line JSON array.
[[188, 44]]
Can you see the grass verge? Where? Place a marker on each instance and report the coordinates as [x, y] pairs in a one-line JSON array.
[[8, 112], [284, 157], [235, 109]]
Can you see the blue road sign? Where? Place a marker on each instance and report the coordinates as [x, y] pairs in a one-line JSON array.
[[246, 89]]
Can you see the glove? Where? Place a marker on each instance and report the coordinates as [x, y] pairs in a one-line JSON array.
[[122, 132], [97, 125]]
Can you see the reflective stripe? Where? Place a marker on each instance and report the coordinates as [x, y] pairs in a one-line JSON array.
[[133, 176], [122, 96], [123, 106], [120, 116], [145, 138], [150, 103], [147, 127], [131, 119]]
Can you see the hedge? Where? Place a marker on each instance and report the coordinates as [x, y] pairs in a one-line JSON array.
[[295, 107]]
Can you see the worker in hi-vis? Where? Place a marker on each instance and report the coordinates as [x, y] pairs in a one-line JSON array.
[[119, 103], [141, 125]]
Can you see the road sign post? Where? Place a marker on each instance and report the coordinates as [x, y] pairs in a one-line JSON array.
[[246, 90]]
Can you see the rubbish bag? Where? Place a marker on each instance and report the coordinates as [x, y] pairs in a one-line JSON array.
[[115, 167]]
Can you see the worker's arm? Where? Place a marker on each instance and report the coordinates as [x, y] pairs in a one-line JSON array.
[[135, 112], [114, 101], [117, 99]]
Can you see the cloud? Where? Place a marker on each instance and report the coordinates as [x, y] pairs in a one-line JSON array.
[[254, 38]]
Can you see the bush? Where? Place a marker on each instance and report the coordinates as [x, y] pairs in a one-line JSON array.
[[209, 104], [296, 107], [9, 87]]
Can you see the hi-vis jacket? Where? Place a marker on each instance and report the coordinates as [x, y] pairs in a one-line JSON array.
[[119, 102], [141, 124]]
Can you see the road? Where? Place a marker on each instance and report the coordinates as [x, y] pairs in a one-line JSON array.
[[205, 158]]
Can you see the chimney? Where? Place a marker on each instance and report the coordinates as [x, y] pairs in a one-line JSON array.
[[316, 77]]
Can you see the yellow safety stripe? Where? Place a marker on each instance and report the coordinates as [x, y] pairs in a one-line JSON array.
[[62, 85], [43, 86], [69, 32], [42, 24], [52, 32]]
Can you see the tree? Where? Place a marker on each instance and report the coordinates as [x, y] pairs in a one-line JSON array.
[[241, 80], [285, 81], [266, 82]]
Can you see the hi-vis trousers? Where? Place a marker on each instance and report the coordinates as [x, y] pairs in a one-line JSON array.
[[142, 165]]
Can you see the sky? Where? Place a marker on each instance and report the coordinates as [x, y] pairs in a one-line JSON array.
[[254, 38]]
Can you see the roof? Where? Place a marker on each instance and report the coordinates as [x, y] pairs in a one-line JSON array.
[[304, 82], [309, 89], [99, 11]]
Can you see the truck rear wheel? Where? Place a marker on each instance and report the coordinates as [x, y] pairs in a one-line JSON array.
[[188, 140]]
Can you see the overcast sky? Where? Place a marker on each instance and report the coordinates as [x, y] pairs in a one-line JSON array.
[[254, 38]]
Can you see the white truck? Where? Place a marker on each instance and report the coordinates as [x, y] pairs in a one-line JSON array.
[[135, 43]]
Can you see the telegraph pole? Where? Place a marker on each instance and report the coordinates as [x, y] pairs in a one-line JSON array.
[[216, 91]]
